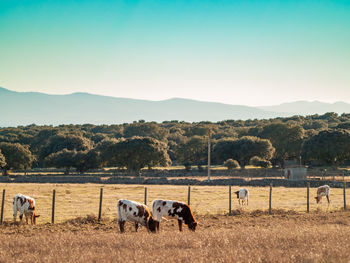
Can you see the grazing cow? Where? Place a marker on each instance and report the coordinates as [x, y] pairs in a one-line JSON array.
[[174, 209], [25, 205], [323, 190], [134, 212], [242, 194]]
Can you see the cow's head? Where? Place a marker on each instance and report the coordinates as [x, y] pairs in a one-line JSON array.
[[151, 224], [237, 193], [318, 198], [192, 226]]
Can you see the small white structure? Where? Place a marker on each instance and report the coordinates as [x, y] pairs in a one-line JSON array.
[[295, 173]]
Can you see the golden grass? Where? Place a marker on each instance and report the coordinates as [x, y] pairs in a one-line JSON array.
[[79, 200], [249, 237]]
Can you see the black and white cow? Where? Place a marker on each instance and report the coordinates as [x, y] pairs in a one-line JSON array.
[[134, 212], [174, 209]]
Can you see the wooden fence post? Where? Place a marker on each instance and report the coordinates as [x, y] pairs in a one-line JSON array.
[[308, 198], [229, 200], [344, 195], [100, 207], [2, 206], [270, 210], [53, 206], [189, 195], [145, 195]]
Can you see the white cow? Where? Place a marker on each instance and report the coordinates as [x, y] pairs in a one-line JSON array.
[[323, 190], [134, 212], [24, 205], [242, 194]]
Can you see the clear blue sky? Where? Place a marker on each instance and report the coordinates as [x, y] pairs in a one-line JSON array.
[[237, 52]]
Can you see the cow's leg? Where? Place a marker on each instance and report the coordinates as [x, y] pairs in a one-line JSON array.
[[247, 201], [239, 202], [27, 216], [180, 224], [121, 226], [328, 199], [14, 215], [157, 226], [136, 226], [20, 218]]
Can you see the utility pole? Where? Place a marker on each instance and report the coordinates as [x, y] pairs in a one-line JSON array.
[[209, 134]]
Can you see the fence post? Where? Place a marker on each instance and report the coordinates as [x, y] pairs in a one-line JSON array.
[[308, 198], [229, 200], [53, 206], [145, 195], [189, 195], [344, 195], [270, 212], [100, 207], [2, 205]]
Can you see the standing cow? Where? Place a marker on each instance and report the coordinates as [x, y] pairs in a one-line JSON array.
[[174, 209], [25, 205], [134, 212], [323, 190], [242, 194]]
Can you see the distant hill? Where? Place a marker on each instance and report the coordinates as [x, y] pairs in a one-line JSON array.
[[23, 108], [309, 108]]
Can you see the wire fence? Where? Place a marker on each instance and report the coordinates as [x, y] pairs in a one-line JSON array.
[[60, 202]]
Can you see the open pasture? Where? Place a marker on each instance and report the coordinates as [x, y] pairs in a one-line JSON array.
[[247, 237], [79, 200]]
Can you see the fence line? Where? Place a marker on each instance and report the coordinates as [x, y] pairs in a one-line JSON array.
[[222, 195]]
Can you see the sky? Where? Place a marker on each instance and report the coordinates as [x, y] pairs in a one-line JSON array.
[[237, 52]]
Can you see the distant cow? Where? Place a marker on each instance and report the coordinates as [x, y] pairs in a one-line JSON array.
[[25, 205], [174, 209], [242, 194], [134, 212], [323, 190]]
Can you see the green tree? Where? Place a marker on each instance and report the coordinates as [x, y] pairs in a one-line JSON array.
[[62, 159], [327, 148], [85, 160], [136, 153], [16, 155], [2, 160], [286, 139], [59, 142], [242, 149], [194, 151]]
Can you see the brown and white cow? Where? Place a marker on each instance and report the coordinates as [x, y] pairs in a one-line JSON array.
[[323, 190], [134, 212], [174, 209], [24, 205], [242, 194]]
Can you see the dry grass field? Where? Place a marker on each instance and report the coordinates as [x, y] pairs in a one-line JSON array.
[[247, 237], [79, 200], [250, 235]]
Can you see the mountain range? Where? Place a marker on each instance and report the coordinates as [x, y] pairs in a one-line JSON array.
[[24, 108]]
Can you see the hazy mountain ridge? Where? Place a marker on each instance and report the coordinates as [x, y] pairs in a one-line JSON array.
[[23, 108]]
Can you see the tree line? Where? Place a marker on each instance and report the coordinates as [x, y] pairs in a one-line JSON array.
[[315, 140]]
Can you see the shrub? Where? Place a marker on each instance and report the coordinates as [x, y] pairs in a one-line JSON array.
[[231, 164], [257, 161]]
